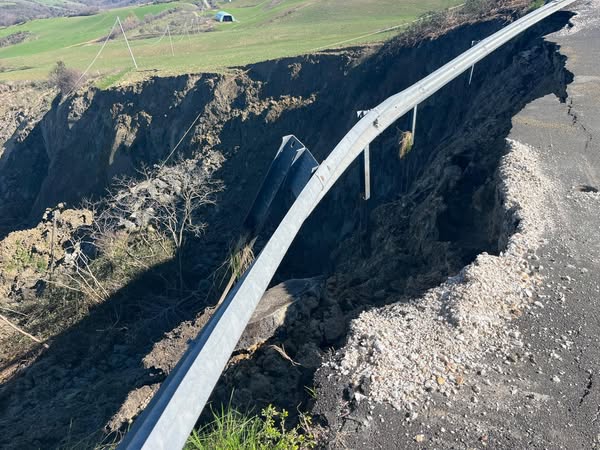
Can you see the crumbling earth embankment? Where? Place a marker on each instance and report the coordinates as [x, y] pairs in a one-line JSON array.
[[535, 383], [432, 212]]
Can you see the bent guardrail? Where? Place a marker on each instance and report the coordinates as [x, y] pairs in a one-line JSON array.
[[169, 418]]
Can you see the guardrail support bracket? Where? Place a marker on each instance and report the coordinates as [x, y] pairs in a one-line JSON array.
[[473, 66], [365, 166], [366, 169], [414, 123]]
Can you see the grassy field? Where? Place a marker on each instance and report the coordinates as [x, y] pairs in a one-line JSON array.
[[265, 29]]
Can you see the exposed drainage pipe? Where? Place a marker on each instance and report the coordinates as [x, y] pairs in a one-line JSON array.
[[171, 415]]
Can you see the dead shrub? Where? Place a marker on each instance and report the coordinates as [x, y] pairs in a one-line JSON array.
[[65, 79]]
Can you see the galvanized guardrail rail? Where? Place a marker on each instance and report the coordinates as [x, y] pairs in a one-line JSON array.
[[171, 415]]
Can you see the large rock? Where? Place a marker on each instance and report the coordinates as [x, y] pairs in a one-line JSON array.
[[276, 306]]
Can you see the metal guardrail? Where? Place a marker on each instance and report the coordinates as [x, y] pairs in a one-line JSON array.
[[169, 418]]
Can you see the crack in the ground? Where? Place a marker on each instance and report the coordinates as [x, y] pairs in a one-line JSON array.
[[578, 123], [588, 388]]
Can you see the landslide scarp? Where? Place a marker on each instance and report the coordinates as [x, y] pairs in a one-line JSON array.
[[432, 211]]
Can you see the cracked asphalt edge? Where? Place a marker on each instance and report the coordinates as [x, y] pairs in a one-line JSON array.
[[402, 353]]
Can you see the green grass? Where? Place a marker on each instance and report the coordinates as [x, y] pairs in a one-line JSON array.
[[109, 80], [537, 4], [232, 430], [266, 29], [25, 258]]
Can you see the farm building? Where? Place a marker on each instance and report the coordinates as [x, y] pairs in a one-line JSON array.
[[223, 16]]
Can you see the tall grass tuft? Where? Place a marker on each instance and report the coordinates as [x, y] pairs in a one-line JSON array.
[[406, 144], [241, 259], [232, 430]]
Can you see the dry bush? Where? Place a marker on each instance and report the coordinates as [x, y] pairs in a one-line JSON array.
[[14, 38], [63, 78], [405, 144], [142, 223], [137, 226], [120, 257]]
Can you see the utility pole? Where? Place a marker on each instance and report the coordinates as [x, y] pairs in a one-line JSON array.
[[127, 42], [171, 41]]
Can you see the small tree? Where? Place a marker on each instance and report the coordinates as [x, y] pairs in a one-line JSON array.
[[168, 199], [139, 223], [64, 78]]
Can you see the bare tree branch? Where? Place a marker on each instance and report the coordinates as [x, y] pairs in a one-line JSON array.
[[23, 332]]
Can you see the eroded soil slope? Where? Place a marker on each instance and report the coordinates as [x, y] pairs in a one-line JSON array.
[[432, 212]]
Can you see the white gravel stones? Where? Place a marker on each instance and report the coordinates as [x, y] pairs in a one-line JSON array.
[[404, 351], [588, 17]]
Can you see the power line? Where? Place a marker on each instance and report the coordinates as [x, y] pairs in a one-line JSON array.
[[181, 140], [127, 42], [170, 40], [165, 33], [102, 48], [93, 60], [162, 36]]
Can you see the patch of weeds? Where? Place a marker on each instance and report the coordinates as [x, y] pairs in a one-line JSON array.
[[71, 292], [537, 4], [232, 430], [240, 260], [112, 79], [124, 256], [311, 391], [25, 258]]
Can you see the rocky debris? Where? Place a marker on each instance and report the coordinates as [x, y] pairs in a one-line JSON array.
[[155, 200], [584, 19], [133, 405], [401, 353], [272, 313], [166, 353], [27, 256], [275, 307], [585, 197], [22, 105], [27, 260]]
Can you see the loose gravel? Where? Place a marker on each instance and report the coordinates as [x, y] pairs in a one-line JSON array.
[[401, 353], [584, 19]]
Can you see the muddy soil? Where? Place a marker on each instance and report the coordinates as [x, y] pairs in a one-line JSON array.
[[431, 213]]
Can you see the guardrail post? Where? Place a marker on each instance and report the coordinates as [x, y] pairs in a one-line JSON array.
[[366, 168], [365, 165], [414, 123], [473, 66]]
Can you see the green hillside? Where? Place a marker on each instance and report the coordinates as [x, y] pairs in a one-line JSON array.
[[264, 30]]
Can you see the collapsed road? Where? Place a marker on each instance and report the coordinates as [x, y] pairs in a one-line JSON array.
[[449, 205], [537, 385]]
